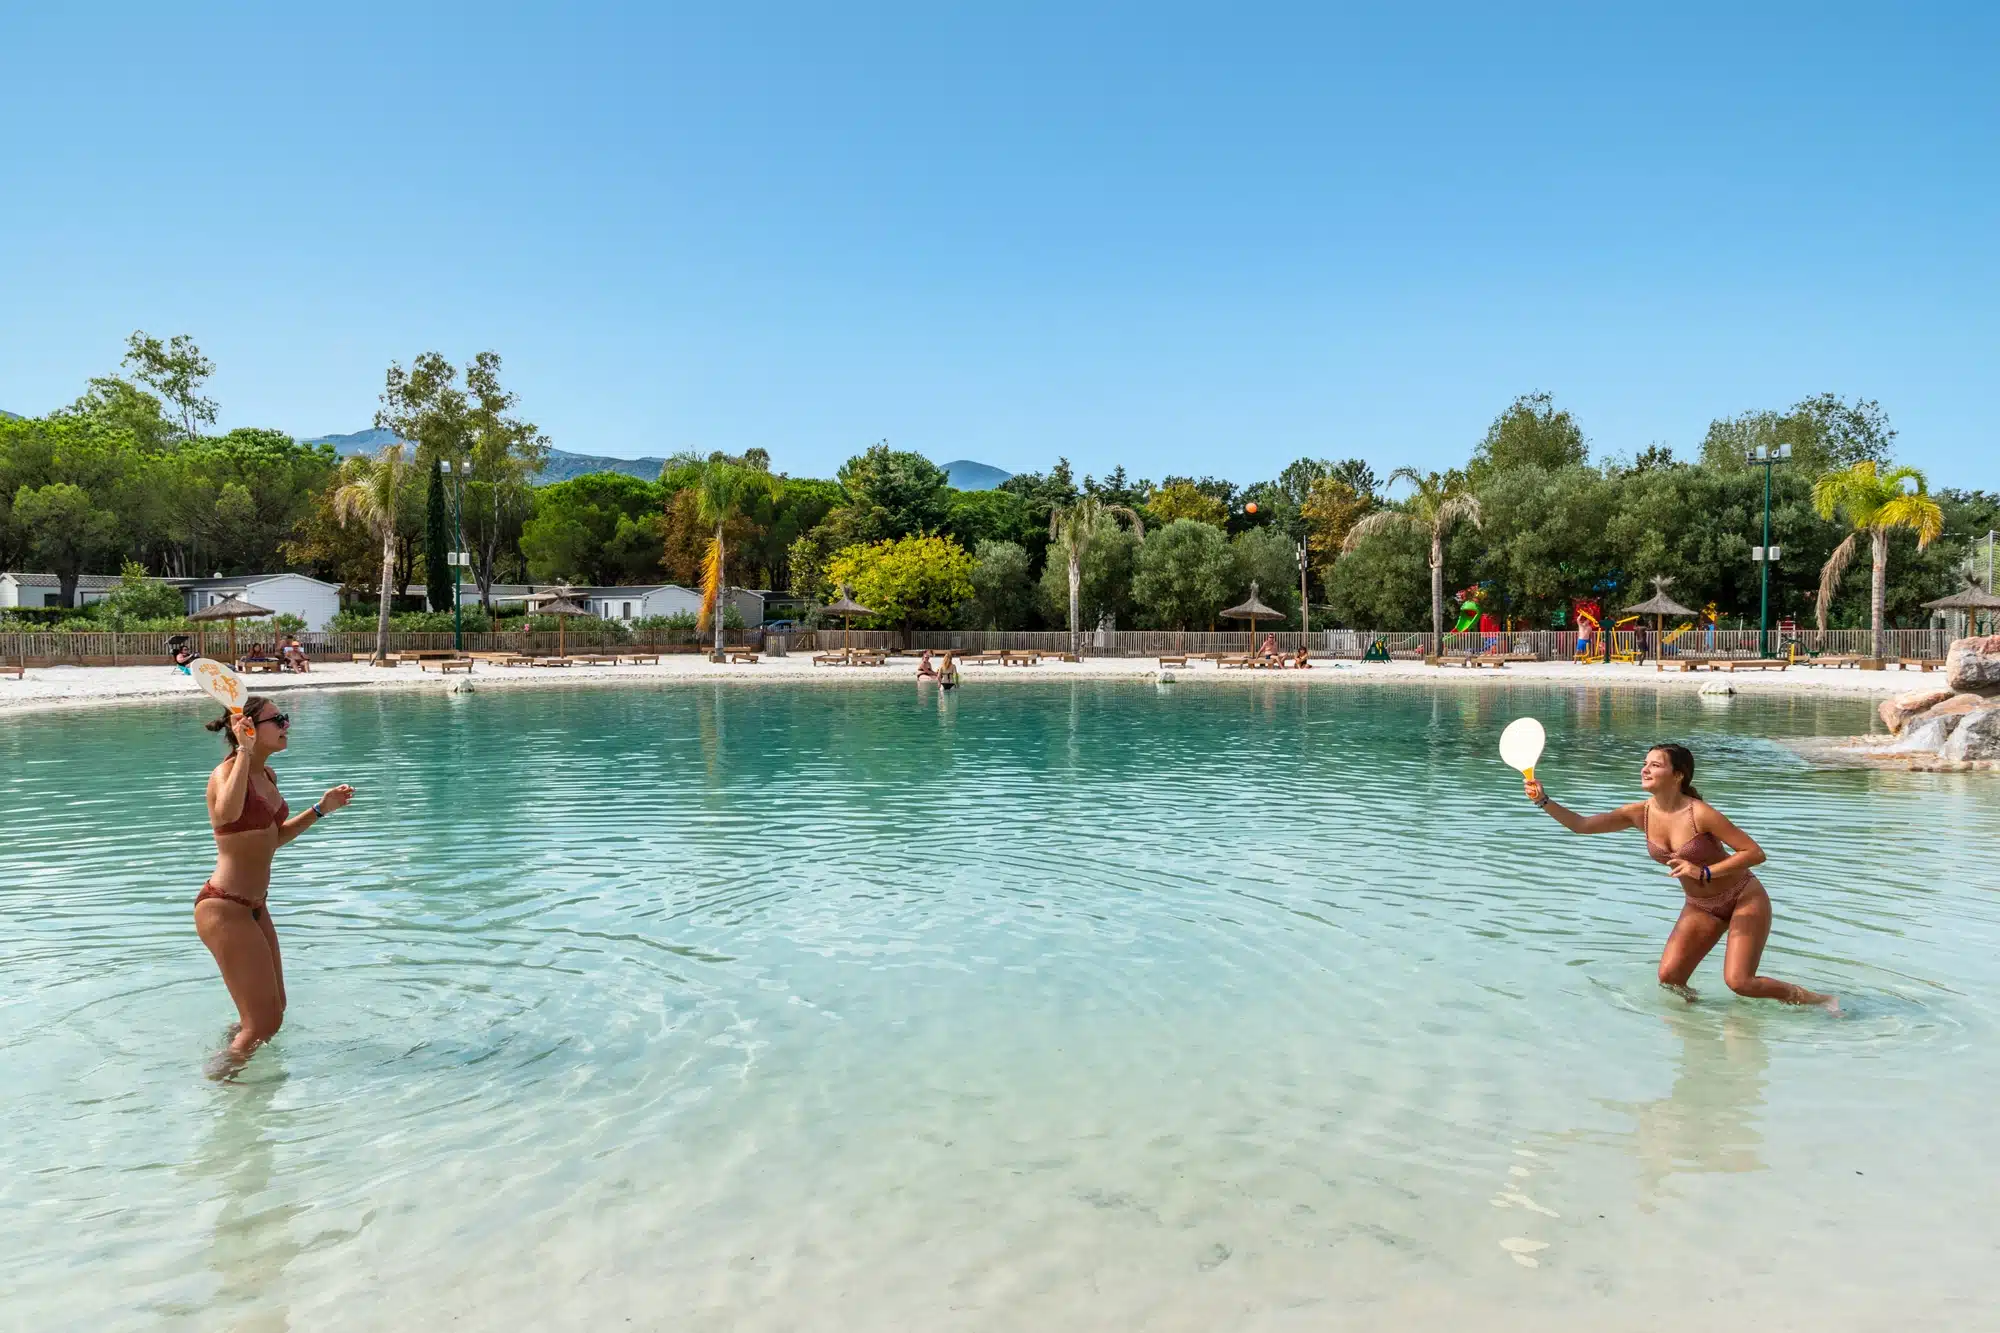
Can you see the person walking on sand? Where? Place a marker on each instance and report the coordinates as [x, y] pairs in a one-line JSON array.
[[1712, 859], [251, 821]]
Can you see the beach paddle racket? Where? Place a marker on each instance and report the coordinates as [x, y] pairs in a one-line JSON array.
[[219, 683], [1521, 744]]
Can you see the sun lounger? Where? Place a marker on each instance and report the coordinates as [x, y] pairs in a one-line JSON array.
[[1753, 664], [1179, 661], [743, 657], [552, 661], [1469, 662], [513, 660], [447, 665], [639, 659], [1020, 659], [391, 660], [18, 670], [595, 659], [250, 665], [984, 659], [1920, 663]]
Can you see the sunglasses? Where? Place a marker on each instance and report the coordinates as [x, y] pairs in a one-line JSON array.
[[282, 719]]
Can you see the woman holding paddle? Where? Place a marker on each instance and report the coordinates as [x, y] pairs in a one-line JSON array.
[[1712, 859], [251, 821]]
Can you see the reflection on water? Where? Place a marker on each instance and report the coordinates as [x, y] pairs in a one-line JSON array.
[[1044, 1005]]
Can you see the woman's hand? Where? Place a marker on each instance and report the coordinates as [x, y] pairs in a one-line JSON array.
[[1535, 792], [336, 797], [245, 731], [1680, 869]]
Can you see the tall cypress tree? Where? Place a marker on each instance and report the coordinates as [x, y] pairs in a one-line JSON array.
[[437, 541]]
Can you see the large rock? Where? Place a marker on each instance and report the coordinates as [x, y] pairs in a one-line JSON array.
[[1953, 705], [1926, 735], [1899, 710], [1974, 664], [1977, 736]]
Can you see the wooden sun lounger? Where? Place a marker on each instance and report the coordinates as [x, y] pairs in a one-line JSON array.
[[595, 659], [1470, 662], [1020, 659], [743, 657], [391, 660], [1752, 664], [1180, 661], [1836, 660], [1689, 663], [639, 659], [446, 665], [1920, 663], [984, 659], [254, 664], [551, 661], [18, 670], [513, 660]]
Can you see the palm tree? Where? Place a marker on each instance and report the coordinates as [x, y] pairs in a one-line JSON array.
[[1075, 526], [1441, 499], [367, 493], [1875, 503], [724, 490]]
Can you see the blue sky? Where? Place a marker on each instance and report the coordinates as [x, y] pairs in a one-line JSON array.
[[1186, 239]]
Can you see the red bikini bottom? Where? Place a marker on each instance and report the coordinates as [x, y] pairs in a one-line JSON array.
[[210, 891]]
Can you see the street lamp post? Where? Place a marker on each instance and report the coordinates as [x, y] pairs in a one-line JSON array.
[[1305, 607], [457, 476], [1766, 457]]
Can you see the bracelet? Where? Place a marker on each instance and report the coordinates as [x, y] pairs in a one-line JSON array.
[[317, 812], [1543, 803], [1705, 876]]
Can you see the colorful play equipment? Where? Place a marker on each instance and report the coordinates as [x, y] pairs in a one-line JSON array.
[[1596, 644], [1470, 617], [1705, 621], [1378, 651]]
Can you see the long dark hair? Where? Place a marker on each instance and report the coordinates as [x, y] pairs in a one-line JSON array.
[[251, 707], [1681, 759]]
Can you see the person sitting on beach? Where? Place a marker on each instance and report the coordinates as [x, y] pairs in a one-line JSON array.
[[1712, 859], [1299, 659], [295, 656], [924, 668], [1268, 648], [184, 653], [251, 821]]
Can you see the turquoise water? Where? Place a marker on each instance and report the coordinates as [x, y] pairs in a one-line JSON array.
[[1037, 1006]]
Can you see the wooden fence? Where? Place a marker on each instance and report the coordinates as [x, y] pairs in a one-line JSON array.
[[108, 649]]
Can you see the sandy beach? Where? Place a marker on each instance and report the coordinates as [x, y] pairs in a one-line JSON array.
[[49, 688]]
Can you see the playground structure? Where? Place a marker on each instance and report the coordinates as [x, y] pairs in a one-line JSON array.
[[1594, 643], [1705, 622]]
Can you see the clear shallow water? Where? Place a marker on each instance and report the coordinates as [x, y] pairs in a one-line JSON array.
[[1092, 1006]]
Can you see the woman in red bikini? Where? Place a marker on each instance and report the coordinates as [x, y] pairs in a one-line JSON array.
[[1712, 859], [251, 821]]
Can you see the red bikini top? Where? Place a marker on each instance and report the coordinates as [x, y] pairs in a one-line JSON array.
[[1701, 850], [256, 815]]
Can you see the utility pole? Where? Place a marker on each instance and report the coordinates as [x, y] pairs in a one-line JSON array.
[[1766, 457], [457, 476], [1305, 607]]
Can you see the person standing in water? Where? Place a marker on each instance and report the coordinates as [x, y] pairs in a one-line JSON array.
[[1712, 859], [251, 821]]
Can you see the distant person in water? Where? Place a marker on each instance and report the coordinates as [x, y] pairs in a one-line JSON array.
[[948, 670], [1712, 859], [924, 668], [251, 822]]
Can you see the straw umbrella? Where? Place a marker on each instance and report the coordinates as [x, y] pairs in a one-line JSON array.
[[232, 609], [1253, 611], [1659, 606], [1971, 599], [562, 608], [846, 608]]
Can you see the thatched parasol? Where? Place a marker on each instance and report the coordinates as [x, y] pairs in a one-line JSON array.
[[1253, 611], [1659, 606], [1970, 599], [562, 608], [846, 608], [232, 609]]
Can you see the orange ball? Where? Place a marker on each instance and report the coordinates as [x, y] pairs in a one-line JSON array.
[[1250, 508]]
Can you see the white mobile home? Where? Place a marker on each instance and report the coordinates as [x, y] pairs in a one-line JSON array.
[[312, 600], [27, 589]]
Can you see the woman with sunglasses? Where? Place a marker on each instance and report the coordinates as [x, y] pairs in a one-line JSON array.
[[251, 821]]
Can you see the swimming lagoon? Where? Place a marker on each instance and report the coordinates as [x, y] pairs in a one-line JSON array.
[[1065, 1005]]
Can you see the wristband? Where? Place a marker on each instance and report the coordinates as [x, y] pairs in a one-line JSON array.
[[1705, 876], [317, 812], [1542, 804]]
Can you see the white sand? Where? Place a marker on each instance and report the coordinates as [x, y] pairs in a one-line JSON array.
[[46, 688]]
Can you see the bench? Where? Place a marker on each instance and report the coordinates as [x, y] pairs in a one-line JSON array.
[[1920, 663], [595, 659], [984, 659], [18, 670], [639, 659], [248, 665], [743, 657], [1065, 657], [1468, 662], [513, 660], [1179, 661], [1690, 664], [446, 665], [551, 662], [1020, 659], [1753, 664]]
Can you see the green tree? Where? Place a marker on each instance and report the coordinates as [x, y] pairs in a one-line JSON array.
[[1532, 432], [1074, 528], [894, 493], [1329, 512], [117, 405], [1441, 500], [175, 370], [973, 517], [1825, 433], [1266, 557], [1874, 504], [1002, 584], [504, 454], [437, 543], [908, 581], [600, 528], [65, 531], [1382, 583], [1183, 575], [369, 493], [138, 598], [1104, 577], [1180, 499]]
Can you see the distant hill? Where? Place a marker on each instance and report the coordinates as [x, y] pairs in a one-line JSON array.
[[967, 475], [9, 416], [562, 465]]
